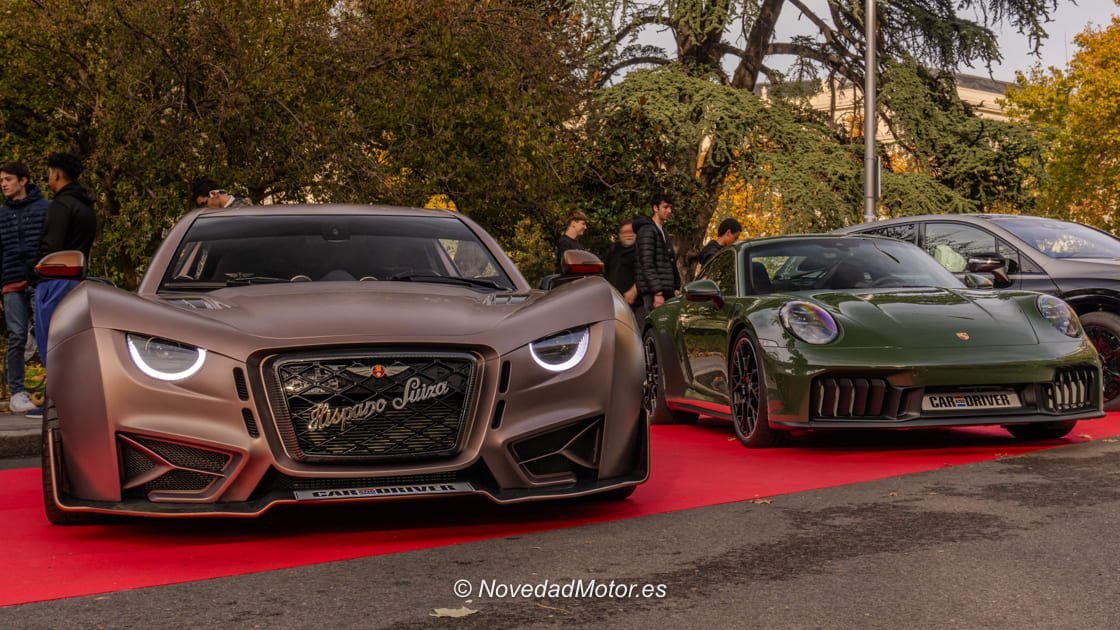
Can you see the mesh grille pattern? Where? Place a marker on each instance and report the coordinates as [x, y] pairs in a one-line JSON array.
[[239, 384], [181, 480], [375, 406], [250, 423], [135, 464], [186, 456]]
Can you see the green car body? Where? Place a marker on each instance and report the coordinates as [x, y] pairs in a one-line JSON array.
[[897, 352]]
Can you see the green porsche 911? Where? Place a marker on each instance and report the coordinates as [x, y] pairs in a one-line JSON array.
[[823, 332]]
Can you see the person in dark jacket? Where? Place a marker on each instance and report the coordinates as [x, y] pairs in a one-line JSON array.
[[727, 233], [655, 266], [620, 264], [575, 227], [70, 224], [21, 225]]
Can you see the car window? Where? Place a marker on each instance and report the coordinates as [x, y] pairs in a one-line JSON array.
[[903, 231], [226, 251], [1061, 239], [721, 270], [952, 244]]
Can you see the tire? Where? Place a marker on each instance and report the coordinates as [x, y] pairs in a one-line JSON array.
[[1041, 430], [653, 389], [1103, 330], [749, 413], [55, 514]]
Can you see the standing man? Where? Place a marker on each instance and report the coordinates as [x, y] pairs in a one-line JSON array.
[[207, 192], [70, 224], [655, 266], [726, 234], [576, 226], [620, 265], [21, 225]]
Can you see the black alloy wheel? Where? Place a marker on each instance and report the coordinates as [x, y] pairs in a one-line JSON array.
[[1103, 331], [749, 414], [653, 389]]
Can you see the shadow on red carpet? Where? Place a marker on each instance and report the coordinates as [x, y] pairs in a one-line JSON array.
[[693, 466]]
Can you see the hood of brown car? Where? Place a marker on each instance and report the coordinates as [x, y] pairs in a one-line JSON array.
[[333, 309]]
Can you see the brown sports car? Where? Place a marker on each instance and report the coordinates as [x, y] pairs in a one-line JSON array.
[[309, 354]]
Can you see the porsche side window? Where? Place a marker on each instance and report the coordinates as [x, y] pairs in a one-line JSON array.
[[722, 271], [952, 244]]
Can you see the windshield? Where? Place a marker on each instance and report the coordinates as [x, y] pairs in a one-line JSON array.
[[844, 263], [233, 251], [1062, 239]]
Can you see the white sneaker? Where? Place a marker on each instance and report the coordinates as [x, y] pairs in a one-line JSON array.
[[21, 403]]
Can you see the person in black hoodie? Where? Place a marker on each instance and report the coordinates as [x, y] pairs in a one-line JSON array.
[[70, 224], [727, 233], [620, 265], [21, 224], [655, 266]]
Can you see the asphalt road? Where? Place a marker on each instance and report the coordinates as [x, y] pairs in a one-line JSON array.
[[1022, 542]]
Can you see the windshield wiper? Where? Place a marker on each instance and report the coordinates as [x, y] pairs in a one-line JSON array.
[[255, 280], [431, 277]]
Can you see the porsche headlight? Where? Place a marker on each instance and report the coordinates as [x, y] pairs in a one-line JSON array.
[[809, 323], [1058, 313], [162, 359], [561, 351]]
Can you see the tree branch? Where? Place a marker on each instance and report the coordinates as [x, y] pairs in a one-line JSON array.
[[633, 61]]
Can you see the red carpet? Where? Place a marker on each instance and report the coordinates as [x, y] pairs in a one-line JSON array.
[[693, 467]]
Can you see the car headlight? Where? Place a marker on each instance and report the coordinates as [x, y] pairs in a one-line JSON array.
[[561, 351], [162, 359], [809, 323], [1058, 313]]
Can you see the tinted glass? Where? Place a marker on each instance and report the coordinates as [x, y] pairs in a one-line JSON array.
[[722, 271], [1062, 239], [229, 251], [904, 232], [844, 263], [952, 244]]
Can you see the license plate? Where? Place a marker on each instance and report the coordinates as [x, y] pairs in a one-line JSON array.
[[971, 401], [384, 491]]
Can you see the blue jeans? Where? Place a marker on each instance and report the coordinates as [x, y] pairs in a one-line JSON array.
[[47, 296], [17, 317]]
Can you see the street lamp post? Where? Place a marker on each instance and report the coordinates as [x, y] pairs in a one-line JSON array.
[[870, 125]]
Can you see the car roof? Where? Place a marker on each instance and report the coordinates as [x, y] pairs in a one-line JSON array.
[[971, 217], [808, 237], [329, 208]]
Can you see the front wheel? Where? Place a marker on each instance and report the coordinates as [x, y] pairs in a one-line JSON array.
[[1041, 430], [1103, 330], [653, 389], [749, 412], [55, 514]]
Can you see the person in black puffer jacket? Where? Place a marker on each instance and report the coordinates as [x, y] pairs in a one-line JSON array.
[[21, 224], [655, 266], [70, 224]]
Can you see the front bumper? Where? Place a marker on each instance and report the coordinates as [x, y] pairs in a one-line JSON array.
[[530, 435], [833, 388]]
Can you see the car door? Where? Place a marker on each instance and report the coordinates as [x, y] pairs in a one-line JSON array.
[[704, 328]]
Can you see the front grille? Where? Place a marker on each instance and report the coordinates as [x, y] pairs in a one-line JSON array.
[[371, 405], [844, 397], [1071, 390]]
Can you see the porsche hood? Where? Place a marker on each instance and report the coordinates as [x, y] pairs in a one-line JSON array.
[[928, 317]]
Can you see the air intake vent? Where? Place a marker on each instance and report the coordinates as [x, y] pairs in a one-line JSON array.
[[150, 466], [856, 398], [499, 411], [240, 384], [1071, 390], [503, 383], [571, 451], [250, 423]]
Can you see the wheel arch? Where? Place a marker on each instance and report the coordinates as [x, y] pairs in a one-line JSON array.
[[1090, 302]]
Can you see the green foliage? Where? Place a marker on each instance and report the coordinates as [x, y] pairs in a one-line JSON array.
[[288, 101]]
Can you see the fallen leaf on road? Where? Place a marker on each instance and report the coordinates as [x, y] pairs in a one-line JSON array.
[[1110, 440], [761, 501], [892, 494], [1085, 435], [452, 612]]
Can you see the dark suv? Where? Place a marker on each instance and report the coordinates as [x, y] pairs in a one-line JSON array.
[[1077, 263]]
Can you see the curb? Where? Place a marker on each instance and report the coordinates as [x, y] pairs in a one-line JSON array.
[[19, 443]]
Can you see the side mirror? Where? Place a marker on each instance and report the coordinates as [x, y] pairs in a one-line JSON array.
[[976, 281], [703, 291], [577, 262], [990, 263], [65, 265]]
